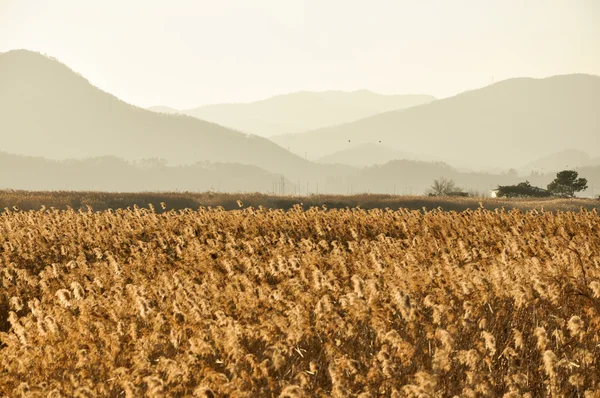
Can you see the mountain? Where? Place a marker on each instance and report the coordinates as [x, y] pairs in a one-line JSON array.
[[164, 109], [109, 173], [364, 155], [567, 159], [112, 174], [301, 111], [48, 110], [502, 125], [416, 177], [370, 154], [406, 177]]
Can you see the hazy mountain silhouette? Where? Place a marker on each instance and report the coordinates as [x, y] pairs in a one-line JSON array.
[[369, 154], [505, 124], [567, 159], [109, 173], [48, 110], [415, 177], [302, 111], [364, 155], [164, 109]]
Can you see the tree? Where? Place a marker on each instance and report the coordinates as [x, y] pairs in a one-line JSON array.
[[152, 163], [443, 187], [521, 190], [567, 184]]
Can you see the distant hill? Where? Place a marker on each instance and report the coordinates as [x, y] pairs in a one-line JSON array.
[[112, 174], [302, 111], [567, 159], [109, 173], [48, 110], [364, 155], [164, 109], [415, 177], [503, 125], [370, 154]]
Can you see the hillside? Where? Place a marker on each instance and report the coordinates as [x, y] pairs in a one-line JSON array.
[[363, 155], [503, 125], [48, 110], [567, 159], [112, 174], [164, 109], [415, 178], [371, 154], [302, 111]]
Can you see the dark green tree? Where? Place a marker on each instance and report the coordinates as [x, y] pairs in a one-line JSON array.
[[521, 190], [567, 184]]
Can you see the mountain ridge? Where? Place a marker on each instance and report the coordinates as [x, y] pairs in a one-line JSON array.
[[303, 110], [164, 109], [47, 109], [114, 174], [507, 111], [557, 161]]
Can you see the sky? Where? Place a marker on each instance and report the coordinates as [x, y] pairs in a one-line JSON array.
[[187, 53]]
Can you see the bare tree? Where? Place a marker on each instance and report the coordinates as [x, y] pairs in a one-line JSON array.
[[442, 187]]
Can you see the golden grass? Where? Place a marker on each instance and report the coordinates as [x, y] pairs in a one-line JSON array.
[[260, 303], [28, 200]]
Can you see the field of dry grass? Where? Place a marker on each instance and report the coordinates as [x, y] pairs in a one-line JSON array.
[[27, 200], [269, 303]]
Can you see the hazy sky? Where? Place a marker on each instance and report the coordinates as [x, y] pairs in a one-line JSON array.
[[185, 53]]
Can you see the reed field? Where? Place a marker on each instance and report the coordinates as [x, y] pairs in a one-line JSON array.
[[316, 302], [33, 200]]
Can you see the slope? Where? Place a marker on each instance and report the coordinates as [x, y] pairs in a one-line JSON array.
[[363, 155], [505, 124], [566, 159], [303, 110], [164, 109], [48, 110], [112, 174]]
